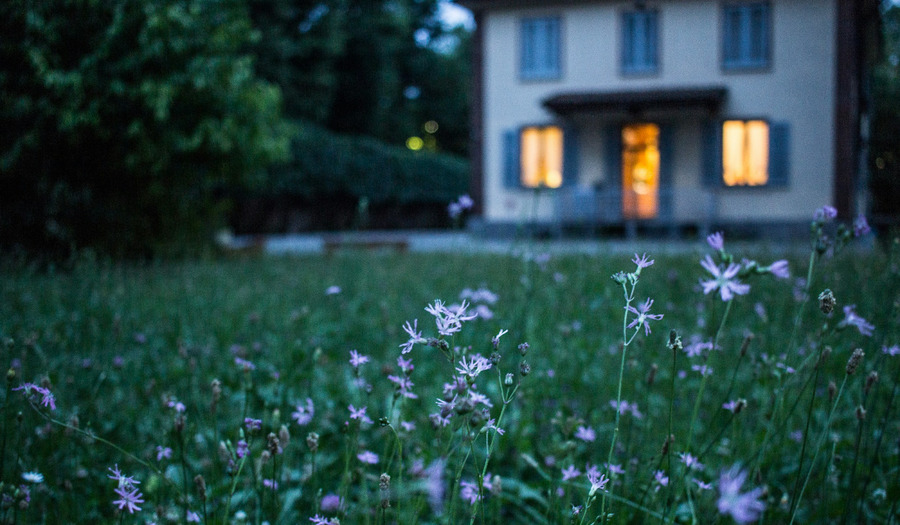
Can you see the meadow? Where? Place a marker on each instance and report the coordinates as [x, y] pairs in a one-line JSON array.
[[358, 388]]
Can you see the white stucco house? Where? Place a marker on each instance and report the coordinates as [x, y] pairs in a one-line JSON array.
[[701, 113]]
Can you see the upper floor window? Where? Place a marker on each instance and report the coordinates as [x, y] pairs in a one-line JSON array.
[[746, 33], [540, 48], [639, 42]]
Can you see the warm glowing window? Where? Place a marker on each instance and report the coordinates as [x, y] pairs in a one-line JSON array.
[[542, 157], [745, 152]]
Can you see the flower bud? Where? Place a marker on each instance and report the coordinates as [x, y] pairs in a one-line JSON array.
[[200, 483], [674, 343], [312, 441], [827, 301], [284, 436], [524, 368], [508, 381], [855, 359], [523, 349], [871, 379]]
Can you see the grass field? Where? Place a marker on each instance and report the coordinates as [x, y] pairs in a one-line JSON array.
[[222, 391]]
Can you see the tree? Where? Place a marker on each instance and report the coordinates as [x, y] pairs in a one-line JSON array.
[[122, 119]]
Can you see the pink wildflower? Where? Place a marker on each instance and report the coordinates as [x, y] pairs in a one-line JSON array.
[[585, 433], [303, 414], [357, 359], [851, 318], [723, 280], [570, 472], [643, 315], [743, 507], [367, 456]]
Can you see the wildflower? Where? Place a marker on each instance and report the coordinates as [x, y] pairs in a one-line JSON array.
[[570, 472], [585, 433], [716, 241], [697, 348], [891, 351], [469, 491], [642, 262], [404, 386], [643, 315], [723, 281], [661, 478], [825, 214], [702, 485], [735, 406], [367, 456], [415, 336], [492, 425], [303, 414], [121, 479], [626, 406], [129, 497], [861, 226], [33, 477], [855, 359], [270, 484], [245, 365], [465, 202], [359, 413], [827, 301], [331, 502], [615, 469], [449, 321], [598, 482], [851, 318], [434, 484], [242, 448], [779, 269], [703, 369], [496, 339], [476, 365], [252, 424], [333, 290], [193, 517], [319, 520], [743, 507], [47, 398], [690, 461], [163, 453], [408, 426], [357, 359]]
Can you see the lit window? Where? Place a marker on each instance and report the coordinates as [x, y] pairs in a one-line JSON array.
[[541, 157], [745, 152]]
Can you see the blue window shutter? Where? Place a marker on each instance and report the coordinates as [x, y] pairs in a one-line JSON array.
[[552, 36], [779, 154], [652, 28], [511, 163], [540, 48], [570, 155], [712, 154], [666, 147], [628, 51]]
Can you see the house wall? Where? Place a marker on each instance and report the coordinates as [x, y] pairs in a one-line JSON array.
[[797, 88]]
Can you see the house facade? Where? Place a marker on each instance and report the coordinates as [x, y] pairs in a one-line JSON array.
[[666, 112]]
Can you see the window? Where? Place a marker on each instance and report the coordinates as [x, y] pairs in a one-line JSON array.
[[746, 35], [639, 42], [745, 152], [541, 157], [540, 48]]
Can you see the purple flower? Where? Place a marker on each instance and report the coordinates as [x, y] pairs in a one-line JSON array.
[[743, 507], [495, 341], [121, 479], [615, 469], [404, 386], [245, 365], [861, 226], [570, 472], [434, 484], [405, 364], [333, 290], [47, 398], [643, 261], [703, 369], [702, 485], [643, 315], [825, 214], [465, 202], [193, 517], [359, 413], [661, 478], [779, 269], [242, 448], [252, 424], [304, 414], [367, 456], [319, 520], [731, 406], [891, 351], [454, 210], [331, 502], [449, 321], [163, 453], [129, 497], [716, 241], [628, 407], [414, 336], [598, 481], [469, 492], [270, 484], [723, 281], [585, 433], [690, 461], [852, 319], [475, 365], [357, 359]]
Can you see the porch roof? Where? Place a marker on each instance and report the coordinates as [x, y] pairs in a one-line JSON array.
[[705, 98]]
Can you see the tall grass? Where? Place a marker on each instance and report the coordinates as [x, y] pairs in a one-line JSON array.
[[193, 379]]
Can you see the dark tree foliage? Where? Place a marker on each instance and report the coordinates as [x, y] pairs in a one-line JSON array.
[[120, 120], [884, 154]]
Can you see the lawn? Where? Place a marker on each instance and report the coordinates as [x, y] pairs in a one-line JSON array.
[[276, 389]]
